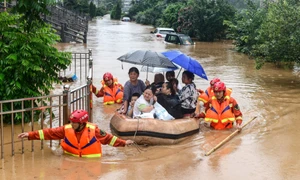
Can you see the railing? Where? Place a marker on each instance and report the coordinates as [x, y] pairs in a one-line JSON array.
[[53, 110], [69, 25]]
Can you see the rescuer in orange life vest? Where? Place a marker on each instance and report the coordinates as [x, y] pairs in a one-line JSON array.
[[111, 91], [80, 138], [204, 96], [221, 110]]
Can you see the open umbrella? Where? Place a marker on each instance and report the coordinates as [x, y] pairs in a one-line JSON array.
[[186, 62], [147, 58]]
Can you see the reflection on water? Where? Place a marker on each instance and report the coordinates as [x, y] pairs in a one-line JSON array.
[[266, 149]]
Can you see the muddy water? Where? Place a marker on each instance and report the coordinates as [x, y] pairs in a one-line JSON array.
[[268, 148]]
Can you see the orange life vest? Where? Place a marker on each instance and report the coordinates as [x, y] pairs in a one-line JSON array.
[[208, 93], [112, 95], [88, 146], [219, 115]]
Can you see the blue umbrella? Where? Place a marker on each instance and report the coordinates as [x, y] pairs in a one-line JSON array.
[[186, 62]]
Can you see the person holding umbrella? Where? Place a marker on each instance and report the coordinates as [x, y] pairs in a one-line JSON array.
[[188, 94]]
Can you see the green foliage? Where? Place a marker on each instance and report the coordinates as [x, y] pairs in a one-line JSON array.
[[203, 19], [269, 34], [32, 11], [279, 35], [116, 12], [151, 15], [92, 10], [170, 15], [243, 29], [28, 61]]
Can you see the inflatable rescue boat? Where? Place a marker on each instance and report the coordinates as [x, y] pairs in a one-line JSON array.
[[153, 131]]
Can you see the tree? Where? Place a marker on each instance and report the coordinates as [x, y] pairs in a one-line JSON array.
[[278, 39], [116, 11], [204, 19], [92, 9], [29, 63], [169, 17], [268, 34]]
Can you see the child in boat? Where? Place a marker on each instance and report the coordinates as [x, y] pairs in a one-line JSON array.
[[171, 75], [134, 85], [111, 91], [188, 95], [143, 106], [134, 97]]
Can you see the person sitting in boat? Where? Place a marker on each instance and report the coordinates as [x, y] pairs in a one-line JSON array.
[[188, 95], [170, 100], [134, 97], [111, 91], [134, 85], [171, 75], [159, 80], [221, 110], [208, 93], [79, 138], [144, 105]]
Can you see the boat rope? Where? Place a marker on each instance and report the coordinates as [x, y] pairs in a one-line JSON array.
[[137, 128], [135, 144]]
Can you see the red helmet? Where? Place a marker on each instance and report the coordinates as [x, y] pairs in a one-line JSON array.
[[214, 80], [219, 86], [107, 76], [79, 116]]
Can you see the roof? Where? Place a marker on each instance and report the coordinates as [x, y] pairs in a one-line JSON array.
[[161, 28]]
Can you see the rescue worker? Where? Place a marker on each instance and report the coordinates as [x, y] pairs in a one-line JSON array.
[[80, 138], [111, 91], [208, 93], [221, 110]]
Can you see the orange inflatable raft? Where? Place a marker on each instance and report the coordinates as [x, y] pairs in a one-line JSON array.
[[153, 131]]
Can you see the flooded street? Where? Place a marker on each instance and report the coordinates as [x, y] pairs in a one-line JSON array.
[[268, 148]]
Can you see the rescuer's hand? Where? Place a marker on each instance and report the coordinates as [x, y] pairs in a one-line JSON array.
[[129, 142], [23, 135], [94, 89], [239, 125]]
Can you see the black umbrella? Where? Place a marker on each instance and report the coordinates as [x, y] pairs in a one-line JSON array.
[[147, 58]]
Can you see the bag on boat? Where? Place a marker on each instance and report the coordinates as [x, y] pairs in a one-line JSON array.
[[161, 113]]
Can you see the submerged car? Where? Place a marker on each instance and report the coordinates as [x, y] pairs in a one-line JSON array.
[[181, 39], [126, 19], [162, 32]]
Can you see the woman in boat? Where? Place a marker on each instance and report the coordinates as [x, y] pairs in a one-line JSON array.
[[188, 94], [144, 104], [169, 100], [134, 85]]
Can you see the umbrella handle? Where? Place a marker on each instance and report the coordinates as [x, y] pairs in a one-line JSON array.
[[178, 73]]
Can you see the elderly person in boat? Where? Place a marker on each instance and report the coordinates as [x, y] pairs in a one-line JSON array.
[[169, 100], [143, 106]]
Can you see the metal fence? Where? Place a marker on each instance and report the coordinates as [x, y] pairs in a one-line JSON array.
[[51, 110]]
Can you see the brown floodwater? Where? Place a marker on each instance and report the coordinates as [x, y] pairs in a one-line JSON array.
[[267, 148]]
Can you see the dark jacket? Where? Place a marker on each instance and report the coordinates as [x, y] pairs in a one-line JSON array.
[[171, 104]]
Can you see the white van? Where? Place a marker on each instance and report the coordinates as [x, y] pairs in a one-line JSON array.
[[162, 32]]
